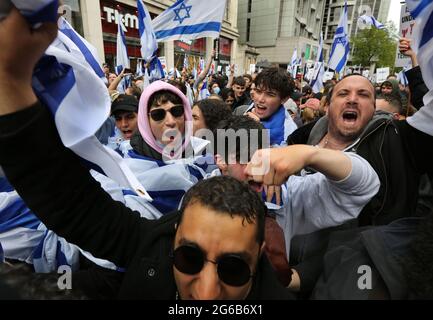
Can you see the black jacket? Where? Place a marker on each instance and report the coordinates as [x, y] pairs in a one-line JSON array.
[[417, 87], [61, 192], [382, 250]]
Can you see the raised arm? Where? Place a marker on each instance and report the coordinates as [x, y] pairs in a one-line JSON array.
[[274, 166], [204, 72], [50, 178]]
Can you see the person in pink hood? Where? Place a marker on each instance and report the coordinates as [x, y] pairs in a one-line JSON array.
[[164, 123]]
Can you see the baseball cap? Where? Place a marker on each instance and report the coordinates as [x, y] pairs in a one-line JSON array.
[[124, 103]]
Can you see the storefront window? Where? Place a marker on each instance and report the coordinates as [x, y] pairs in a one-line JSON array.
[[76, 18]]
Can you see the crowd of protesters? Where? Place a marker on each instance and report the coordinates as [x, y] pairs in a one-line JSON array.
[[312, 187]]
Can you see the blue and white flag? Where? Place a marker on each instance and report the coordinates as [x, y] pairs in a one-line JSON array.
[[139, 70], [366, 20], [319, 69], [422, 12], [189, 20], [293, 62], [185, 62], [122, 59], [402, 78], [204, 91], [149, 46], [340, 46], [83, 47], [78, 98]]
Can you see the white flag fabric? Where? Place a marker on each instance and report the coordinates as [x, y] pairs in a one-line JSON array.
[[293, 63], [83, 47], [340, 46], [190, 19], [149, 46], [68, 86], [204, 91], [370, 21], [122, 59], [422, 12], [319, 70]]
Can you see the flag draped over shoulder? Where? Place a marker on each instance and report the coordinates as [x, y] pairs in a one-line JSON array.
[[70, 87], [340, 46], [370, 21], [190, 19]]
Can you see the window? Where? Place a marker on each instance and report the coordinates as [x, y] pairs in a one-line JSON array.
[[227, 13], [250, 5], [248, 29]]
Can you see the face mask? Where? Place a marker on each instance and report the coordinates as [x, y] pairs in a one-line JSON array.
[[217, 90]]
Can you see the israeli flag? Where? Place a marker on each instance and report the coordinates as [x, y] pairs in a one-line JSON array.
[[319, 69], [78, 98], [122, 59], [370, 21], [402, 78], [204, 91], [422, 12], [149, 45], [185, 62], [139, 70], [340, 46], [82, 47], [189, 20], [293, 62]]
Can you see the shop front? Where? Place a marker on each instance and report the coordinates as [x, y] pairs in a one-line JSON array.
[[110, 12], [193, 50]]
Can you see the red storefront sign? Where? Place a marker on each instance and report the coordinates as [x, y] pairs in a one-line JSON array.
[[110, 12], [196, 46]]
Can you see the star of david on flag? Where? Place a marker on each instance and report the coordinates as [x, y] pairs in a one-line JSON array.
[[184, 15], [189, 20]]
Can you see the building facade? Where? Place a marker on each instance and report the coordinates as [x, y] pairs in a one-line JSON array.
[[278, 27], [355, 8], [97, 20]]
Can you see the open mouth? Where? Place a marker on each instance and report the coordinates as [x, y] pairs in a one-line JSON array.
[[350, 116], [255, 186], [127, 133]]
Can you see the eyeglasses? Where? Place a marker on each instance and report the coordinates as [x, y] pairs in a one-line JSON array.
[[159, 114], [231, 268]]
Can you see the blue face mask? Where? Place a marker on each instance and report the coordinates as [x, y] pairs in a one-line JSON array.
[[217, 90]]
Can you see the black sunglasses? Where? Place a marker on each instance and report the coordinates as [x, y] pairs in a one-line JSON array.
[[231, 268], [159, 114]]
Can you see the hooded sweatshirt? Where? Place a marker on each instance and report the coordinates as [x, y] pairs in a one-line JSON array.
[[143, 142]]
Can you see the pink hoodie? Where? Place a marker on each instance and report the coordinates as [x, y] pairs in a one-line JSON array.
[[143, 111]]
